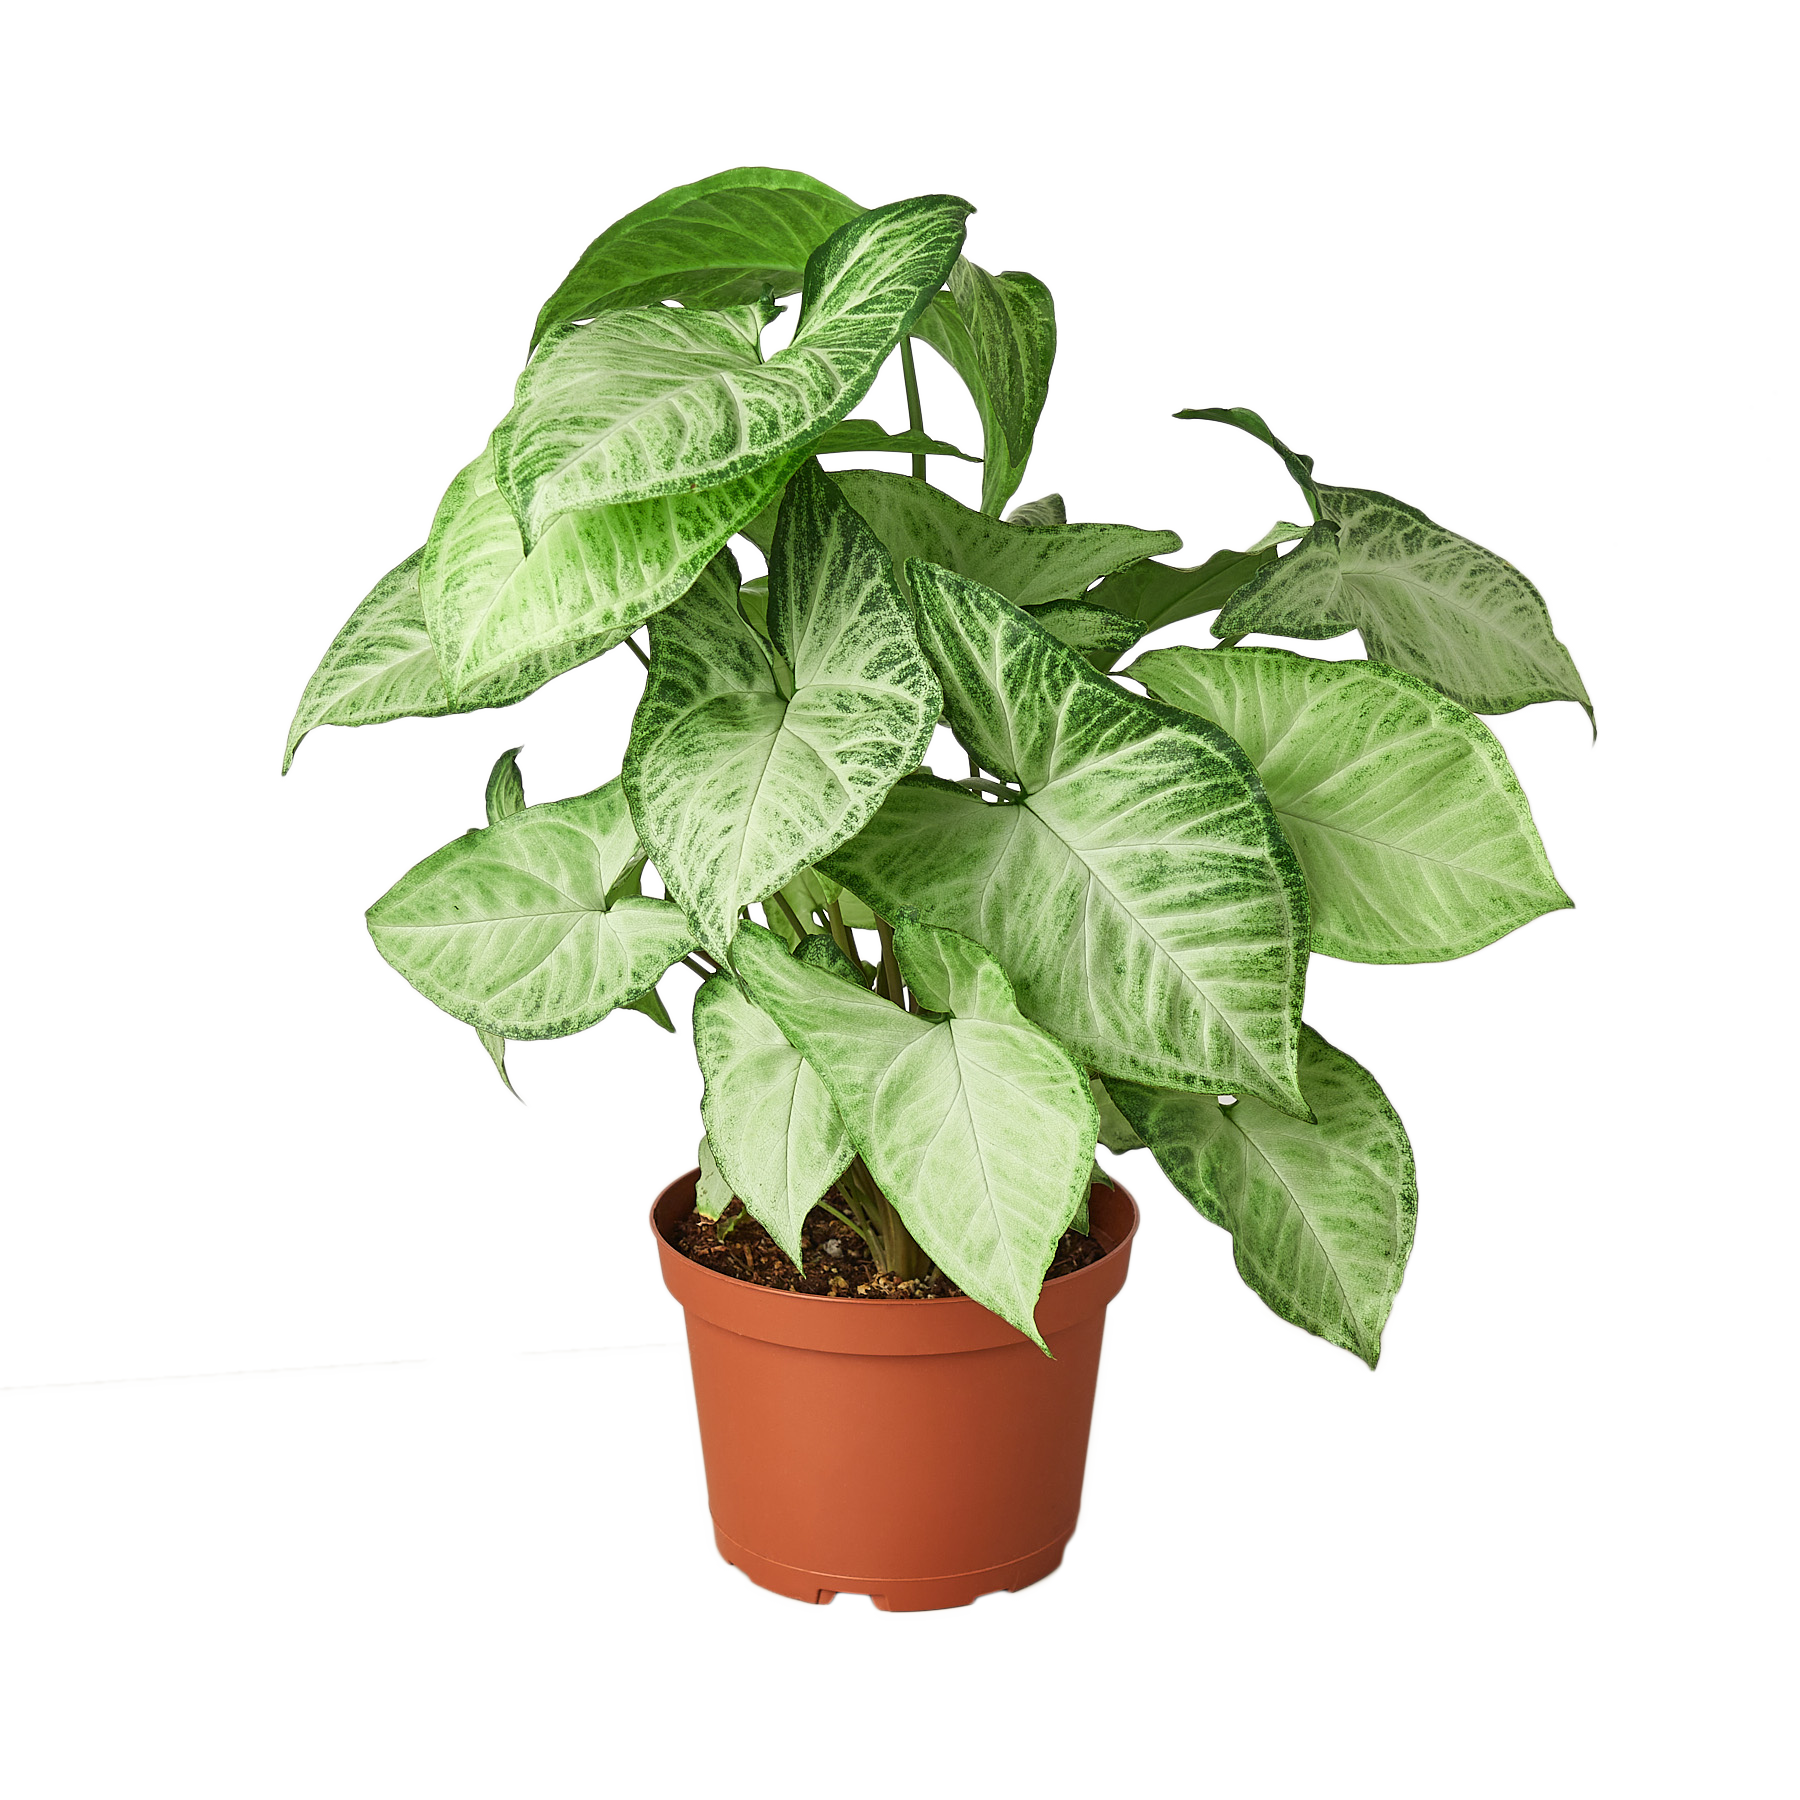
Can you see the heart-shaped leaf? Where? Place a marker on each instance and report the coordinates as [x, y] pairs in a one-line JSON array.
[[723, 241], [773, 1126], [1321, 1215], [502, 620], [381, 666], [662, 400], [978, 1129], [1029, 564], [516, 929], [1413, 831], [1139, 892], [1425, 601], [737, 785], [1157, 594], [998, 332]]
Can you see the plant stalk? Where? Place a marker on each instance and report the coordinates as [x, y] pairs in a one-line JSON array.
[[915, 418], [890, 965], [635, 651], [793, 918]]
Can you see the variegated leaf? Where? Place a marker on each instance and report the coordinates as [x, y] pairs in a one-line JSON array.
[[1139, 893], [381, 666], [1321, 1215], [859, 436], [737, 785], [771, 1123], [499, 617], [662, 400], [1030, 565], [520, 930], [723, 241], [1425, 601], [1157, 594], [1414, 834], [999, 334], [978, 1129]]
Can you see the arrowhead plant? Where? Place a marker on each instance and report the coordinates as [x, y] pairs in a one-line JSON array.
[[926, 993]]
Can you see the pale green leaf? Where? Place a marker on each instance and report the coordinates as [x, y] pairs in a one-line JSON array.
[[770, 1121], [1140, 894], [979, 1131], [1049, 510], [1158, 594], [1426, 601], [1414, 835], [590, 581], [511, 928], [663, 400], [381, 666], [820, 951], [505, 787], [1116, 1131], [495, 1045], [1321, 1215], [859, 436], [735, 787], [999, 334], [719, 242], [1030, 565], [712, 1190], [812, 891]]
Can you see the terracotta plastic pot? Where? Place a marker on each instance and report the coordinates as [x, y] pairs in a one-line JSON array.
[[922, 1452]]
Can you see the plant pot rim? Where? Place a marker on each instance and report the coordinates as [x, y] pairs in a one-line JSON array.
[[941, 1325]]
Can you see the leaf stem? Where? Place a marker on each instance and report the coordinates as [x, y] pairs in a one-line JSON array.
[[1226, 643], [915, 417], [687, 962], [793, 917], [635, 651], [890, 967], [841, 932]]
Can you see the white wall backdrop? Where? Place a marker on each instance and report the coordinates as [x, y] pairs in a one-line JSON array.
[[231, 400]]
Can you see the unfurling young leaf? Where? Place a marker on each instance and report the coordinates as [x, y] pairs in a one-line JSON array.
[[1321, 1215], [505, 787], [736, 785], [979, 1130], [1049, 510], [1139, 894], [1413, 832]]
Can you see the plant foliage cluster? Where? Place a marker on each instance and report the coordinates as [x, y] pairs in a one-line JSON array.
[[956, 987]]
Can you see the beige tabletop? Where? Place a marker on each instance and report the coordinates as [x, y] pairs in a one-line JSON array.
[[1581, 1453]]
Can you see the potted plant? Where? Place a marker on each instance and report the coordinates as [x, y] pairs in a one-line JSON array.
[[925, 994]]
